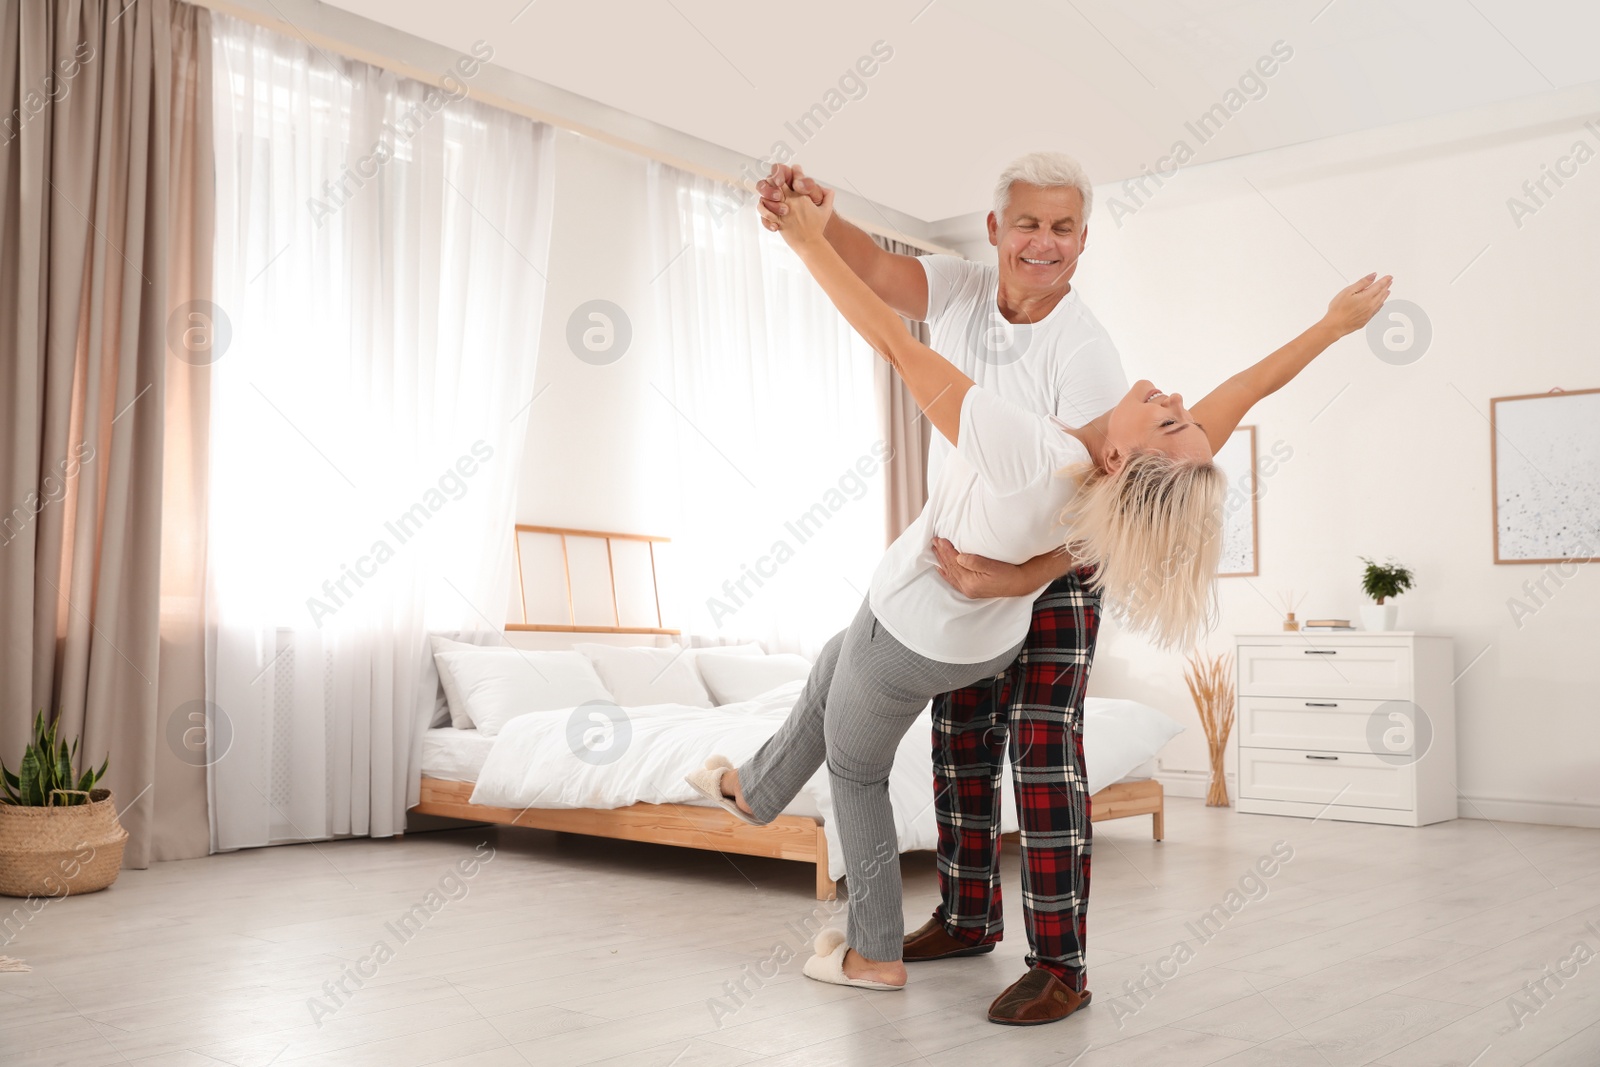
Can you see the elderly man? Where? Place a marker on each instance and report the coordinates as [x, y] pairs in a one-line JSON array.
[[1021, 330]]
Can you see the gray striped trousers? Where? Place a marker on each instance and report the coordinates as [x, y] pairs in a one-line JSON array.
[[865, 690]]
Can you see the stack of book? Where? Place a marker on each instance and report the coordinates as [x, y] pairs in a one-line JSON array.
[[1328, 624]]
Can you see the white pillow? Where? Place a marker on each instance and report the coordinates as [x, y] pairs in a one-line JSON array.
[[737, 678], [637, 676], [1119, 735], [728, 650], [449, 709], [497, 685]]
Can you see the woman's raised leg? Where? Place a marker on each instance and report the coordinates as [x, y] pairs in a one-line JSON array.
[[770, 779]]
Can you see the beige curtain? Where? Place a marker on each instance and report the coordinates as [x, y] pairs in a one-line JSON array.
[[104, 204], [905, 429], [181, 828]]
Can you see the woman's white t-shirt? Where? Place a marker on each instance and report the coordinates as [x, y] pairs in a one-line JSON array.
[[1000, 493]]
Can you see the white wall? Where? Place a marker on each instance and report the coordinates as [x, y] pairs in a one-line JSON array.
[[600, 450], [1211, 274], [594, 449]]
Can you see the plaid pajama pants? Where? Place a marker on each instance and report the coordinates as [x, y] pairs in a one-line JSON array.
[[1036, 707]]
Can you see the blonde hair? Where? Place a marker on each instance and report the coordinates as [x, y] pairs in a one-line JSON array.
[[1153, 533]]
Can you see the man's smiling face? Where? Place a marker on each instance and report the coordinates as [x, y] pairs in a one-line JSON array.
[[1039, 239]]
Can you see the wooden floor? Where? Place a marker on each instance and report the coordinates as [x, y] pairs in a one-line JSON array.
[[1382, 945]]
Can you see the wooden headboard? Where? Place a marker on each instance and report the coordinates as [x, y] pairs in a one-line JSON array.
[[547, 557]]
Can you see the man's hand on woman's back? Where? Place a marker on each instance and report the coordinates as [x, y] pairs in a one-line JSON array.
[[981, 578]]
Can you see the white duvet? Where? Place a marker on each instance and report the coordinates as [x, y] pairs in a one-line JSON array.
[[582, 759]]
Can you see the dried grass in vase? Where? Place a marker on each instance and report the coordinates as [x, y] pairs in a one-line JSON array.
[[1211, 685]]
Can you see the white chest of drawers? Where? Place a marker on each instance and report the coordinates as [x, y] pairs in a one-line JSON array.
[[1356, 726]]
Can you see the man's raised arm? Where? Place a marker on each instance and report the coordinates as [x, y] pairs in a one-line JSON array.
[[898, 280]]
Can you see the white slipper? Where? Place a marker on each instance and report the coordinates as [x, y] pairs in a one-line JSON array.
[[707, 781], [828, 963]]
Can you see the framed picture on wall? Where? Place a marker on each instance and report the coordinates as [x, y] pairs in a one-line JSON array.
[[1240, 536], [1544, 454]]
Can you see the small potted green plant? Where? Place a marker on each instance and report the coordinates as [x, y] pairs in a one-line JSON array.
[[1383, 582], [59, 832]]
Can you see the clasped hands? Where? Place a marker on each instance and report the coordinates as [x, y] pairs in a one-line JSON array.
[[799, 208], [794, 205]]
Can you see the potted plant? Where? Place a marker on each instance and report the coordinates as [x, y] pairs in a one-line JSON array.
[[1383, 582], [59, 834]]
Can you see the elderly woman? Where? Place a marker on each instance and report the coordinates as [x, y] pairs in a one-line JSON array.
[[1134, 494]]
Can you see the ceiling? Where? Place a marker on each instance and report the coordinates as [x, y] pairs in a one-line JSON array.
[[971, 84]]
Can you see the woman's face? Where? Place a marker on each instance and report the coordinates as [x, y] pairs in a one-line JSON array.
[[1148, 419]]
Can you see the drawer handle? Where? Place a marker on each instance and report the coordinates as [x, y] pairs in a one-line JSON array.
[[1321, 651], [1309, 756], [1314, 704]]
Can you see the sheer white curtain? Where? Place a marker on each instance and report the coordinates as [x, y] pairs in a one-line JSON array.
[[781, 452], [379, 284]]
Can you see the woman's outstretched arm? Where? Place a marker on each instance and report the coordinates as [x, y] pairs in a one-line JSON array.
[[1225, 406], [935, 383]]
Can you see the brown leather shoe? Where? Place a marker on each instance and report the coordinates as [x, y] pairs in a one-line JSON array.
[[930, 942], [1037, 997]]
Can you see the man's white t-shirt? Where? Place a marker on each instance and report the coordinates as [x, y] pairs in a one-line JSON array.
[[1001, 493], [1063, 365]]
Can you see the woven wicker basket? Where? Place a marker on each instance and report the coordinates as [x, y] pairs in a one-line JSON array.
[[60, 851]]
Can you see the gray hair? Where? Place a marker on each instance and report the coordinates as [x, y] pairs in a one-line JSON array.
[[1048, 170]]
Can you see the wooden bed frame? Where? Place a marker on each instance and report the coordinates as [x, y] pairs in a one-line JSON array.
[[788, 837]]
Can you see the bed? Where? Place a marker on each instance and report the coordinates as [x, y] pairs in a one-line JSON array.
[[529, 773]]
